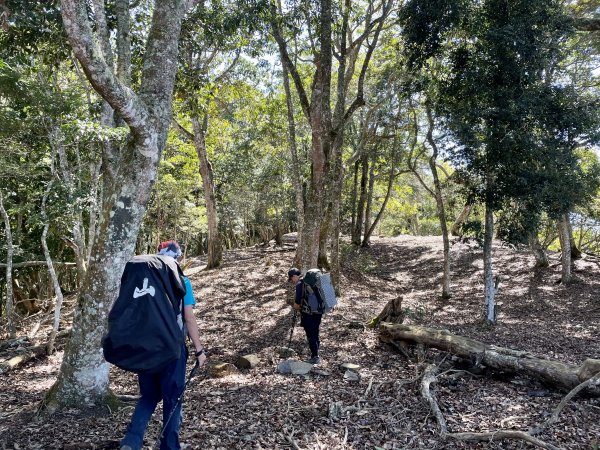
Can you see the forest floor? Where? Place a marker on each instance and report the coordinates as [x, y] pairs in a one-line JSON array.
[[242, 310]]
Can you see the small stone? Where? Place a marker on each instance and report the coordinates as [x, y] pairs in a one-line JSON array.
[[286, 352], [221, 369], [351, 375], [294, 367], [247, 361], [284, 367], [350, 366], [356, 325], [300, 367], [335, 410]]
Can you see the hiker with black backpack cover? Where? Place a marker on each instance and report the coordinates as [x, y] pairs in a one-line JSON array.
[[310, 318], [156, 350]]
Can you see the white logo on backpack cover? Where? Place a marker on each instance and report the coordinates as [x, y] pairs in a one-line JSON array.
[[145, 290]]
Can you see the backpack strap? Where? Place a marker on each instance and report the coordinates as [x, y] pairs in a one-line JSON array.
[[306, 291]]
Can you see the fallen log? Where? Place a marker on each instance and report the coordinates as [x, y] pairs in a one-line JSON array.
[[19, 360], [553, 373]]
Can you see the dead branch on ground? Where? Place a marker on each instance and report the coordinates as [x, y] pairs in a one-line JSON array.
[[594, 381], [429, 378]]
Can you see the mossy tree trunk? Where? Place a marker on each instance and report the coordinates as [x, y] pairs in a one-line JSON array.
[[129, 173]]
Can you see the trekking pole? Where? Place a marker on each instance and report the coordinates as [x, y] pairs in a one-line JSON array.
[[293, 326], [191, 375]]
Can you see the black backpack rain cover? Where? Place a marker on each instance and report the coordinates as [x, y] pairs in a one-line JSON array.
[[143, 333]]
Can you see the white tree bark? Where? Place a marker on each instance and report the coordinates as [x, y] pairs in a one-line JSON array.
[[9, 257], [565, 249], [488, 273]]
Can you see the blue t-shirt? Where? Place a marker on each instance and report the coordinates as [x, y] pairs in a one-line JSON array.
[[189, 293]]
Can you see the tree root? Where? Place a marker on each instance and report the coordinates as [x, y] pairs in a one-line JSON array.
[[502, 434], [594, 381], [430, 377]]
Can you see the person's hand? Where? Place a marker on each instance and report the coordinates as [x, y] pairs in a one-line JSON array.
[[296, 306], [201, 359]]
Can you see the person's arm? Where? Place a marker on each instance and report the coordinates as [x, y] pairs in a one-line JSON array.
[[192, 329], [297, 305]]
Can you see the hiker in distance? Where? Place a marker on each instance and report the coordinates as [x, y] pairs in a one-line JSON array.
[[168, 384], [310, 320]]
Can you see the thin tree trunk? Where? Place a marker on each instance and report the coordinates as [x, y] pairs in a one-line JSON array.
[[215, 249], [565, 249], [369, 207], [9, 257], [541, 257], [325, 158], [52, 273], [461, 219], [296, 177], [439, 201], [77, 230], [575, 252], [488, 274], [362, 200], [388, 192], [354, 196], [336, 195]]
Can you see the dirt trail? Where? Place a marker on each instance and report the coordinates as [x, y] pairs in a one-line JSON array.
[[242, 310]]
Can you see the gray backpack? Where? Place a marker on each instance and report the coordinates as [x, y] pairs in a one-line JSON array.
[[319, 294]]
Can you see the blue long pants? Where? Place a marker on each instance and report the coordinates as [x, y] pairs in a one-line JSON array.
[[311, 324], [166, 385]]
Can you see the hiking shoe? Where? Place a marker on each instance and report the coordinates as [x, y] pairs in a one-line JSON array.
[[314, 360]]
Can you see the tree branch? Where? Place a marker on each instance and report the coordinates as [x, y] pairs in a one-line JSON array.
[[187, 135], [97, 70], [289, 65], [359, 99]]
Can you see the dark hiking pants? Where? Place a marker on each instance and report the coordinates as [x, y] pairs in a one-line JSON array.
[[311, 324]]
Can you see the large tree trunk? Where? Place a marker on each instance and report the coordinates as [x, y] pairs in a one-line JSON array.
[[215, 249], [488, 273], [554, 373], [9, 266], [83, 378], [565, 249], [326, 161]]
